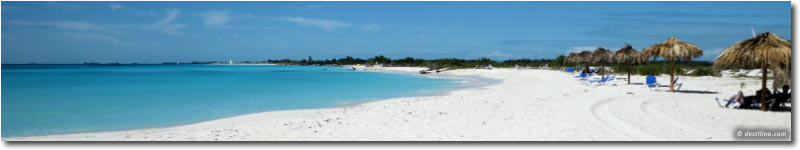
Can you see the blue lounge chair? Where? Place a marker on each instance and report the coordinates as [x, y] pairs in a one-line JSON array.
[[603, 81], [611, 79], [650, 82], [583, 76], [570, 69], [735, 104]]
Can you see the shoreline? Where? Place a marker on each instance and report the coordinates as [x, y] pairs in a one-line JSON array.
[[527, 105], [474, 81]]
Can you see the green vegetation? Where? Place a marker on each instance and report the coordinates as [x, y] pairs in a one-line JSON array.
[[703, 72], [702, 68], [453, 63], [650, 69]]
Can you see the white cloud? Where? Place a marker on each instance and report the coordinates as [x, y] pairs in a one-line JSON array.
[[91, 36], [577, 49], [371, 27], [171, 14], [322, 23], [215, 18], [77, 25], [713, 53], [496, 55], [72, 25], [166, 25], [114, 7]]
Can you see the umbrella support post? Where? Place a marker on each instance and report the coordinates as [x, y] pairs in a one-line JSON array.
[[672, 76], [629, 74], [764, 84], [602, 71]]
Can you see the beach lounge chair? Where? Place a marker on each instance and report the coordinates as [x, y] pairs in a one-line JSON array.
[[734, 104], [722, 102], [781, 98], [570, 69], [602, 81], [590, 81], [650, 82], [678, 85], [583, 76], [611, 79]]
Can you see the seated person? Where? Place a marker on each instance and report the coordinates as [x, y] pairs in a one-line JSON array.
[[780, 97], [784, 95], [747, 101], [739, 97]]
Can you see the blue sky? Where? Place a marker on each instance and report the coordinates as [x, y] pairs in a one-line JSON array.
[[152, 32]]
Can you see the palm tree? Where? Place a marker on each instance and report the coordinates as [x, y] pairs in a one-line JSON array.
[[601, 56], [673, 50], [760, 51], [628, 56]]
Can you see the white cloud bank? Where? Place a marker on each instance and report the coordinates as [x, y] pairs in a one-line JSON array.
[[71, 25], [114, 7], [371, 27], [215, 18], [166, 25], [321, 23]]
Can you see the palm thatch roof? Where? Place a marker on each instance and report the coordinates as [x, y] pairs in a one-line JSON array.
[[601, 55], [570, 57], [628, 55], [673, 49], [752, 52], [584, 57]]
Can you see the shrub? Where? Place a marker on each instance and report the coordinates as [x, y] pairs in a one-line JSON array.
[[621, 69], [649, 70], [702, 72]]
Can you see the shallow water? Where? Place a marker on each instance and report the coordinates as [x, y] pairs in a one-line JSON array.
[[59, 99]]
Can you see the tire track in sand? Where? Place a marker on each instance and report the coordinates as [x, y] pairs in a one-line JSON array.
[[640, 120]]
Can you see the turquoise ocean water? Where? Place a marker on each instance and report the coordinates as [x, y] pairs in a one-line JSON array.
[[59, 99]]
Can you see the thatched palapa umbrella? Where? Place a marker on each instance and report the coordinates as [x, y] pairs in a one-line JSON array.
[[760, 51], [673, 50], [628, 56], [601, 56], [584, 57], [571, 58]]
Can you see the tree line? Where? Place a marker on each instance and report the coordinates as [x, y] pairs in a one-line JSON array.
[[653, 67]]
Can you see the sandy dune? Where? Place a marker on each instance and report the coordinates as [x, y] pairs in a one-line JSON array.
[[538, 105]]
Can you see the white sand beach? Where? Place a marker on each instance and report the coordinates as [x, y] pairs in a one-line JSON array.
[[527, 105]]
